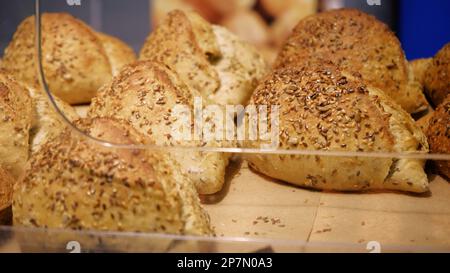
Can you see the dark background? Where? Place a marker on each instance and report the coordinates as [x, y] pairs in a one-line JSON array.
[[422, 26]]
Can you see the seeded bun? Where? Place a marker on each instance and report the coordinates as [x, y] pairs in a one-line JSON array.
[[6, 188], [212, 61], [145, 93], [356, 42], [323, 109], [75, 183], [75, 61], [438, 134], [16, 119], [437, 76]]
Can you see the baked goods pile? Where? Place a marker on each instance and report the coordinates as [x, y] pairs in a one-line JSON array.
[[341, 82]]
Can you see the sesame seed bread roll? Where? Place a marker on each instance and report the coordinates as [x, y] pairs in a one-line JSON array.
[[356, 42], [438, 133], [209, 59], [16, 119], [323, 109], [145, 93], [437, 76], [420, 67], [73, 182], [75, 61]]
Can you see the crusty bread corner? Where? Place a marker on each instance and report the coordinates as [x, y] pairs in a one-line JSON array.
[[16, 119], [437, 76], [6, 188], [420, 67], [324, 109], [212, 61], [438, 134], [145, 93], [355, 42], [75, 183]]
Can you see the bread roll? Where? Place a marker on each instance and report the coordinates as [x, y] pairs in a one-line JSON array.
[[145, 93], [424, 121], [438, 134], [356, 42], [277, 8], [75, 60], [16, 119], [437, 76], [6, 188], [75, 183], [324, 109], [209, 59], [49, 123]]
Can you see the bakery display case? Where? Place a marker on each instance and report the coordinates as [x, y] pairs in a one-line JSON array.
[[173, 126]]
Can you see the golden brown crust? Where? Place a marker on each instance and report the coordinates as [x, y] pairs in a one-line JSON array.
[[145, 93], [16, 119], [356, 42], [6, 188], [437, 77], [438, 134], [324, 109], [75, 183]]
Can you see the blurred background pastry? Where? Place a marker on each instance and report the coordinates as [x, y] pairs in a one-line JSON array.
[[211, 60]]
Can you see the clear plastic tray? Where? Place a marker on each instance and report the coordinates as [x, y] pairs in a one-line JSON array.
[[254, 213]]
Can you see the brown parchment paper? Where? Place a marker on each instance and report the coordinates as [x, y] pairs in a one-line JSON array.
[[254, 206]]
